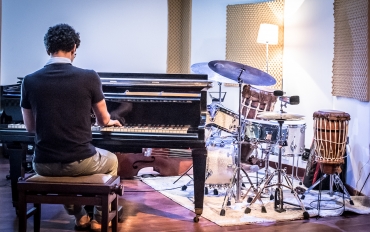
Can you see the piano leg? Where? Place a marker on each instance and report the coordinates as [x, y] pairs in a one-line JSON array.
[[199, 171], [16, 157]]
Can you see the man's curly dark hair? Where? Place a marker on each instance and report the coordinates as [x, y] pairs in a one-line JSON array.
[[61, 37]]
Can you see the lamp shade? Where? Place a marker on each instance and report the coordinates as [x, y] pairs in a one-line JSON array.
[[268, 33]]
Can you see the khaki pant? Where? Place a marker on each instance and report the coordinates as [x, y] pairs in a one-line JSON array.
[[103, 162]]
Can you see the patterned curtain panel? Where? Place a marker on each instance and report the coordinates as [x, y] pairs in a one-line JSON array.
[[179, 36], [351, 39], [243, 23]]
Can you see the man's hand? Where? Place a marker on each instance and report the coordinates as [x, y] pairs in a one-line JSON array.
[[113, 123]]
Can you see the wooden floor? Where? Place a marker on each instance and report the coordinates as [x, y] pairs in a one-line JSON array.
[[148, 210]]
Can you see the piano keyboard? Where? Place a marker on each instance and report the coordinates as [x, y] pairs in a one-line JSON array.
[[16, 126], [160, 129]]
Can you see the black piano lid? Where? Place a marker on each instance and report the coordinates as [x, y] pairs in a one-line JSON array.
[[155, 79], [153, 76]]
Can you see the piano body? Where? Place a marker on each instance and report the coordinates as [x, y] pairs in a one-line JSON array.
[[157, 111]]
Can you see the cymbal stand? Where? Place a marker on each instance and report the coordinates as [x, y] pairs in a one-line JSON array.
[[278, 205], [238, 163], [267, 152]]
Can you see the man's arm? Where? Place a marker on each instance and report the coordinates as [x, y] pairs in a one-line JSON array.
[[29, 120], [102, 115]]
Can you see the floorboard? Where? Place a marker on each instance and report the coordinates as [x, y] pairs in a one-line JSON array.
[[148, 210]]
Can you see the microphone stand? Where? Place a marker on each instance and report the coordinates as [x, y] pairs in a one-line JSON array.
[[280, 172]]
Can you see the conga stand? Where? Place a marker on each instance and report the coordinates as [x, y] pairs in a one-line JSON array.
[[334, 179], [278, 205]]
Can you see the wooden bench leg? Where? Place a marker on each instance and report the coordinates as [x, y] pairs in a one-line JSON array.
[[37, 217], [114, 207], [22, 212], [105, 213]]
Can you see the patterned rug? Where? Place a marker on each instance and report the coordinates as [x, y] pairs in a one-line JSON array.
[[234, 214]]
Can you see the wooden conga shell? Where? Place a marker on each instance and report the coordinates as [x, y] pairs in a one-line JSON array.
[[330, 168], [256, 100], [331, 129]]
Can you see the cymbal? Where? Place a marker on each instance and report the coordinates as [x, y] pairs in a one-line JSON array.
[[279, 116], [250, 75], [202, 68]]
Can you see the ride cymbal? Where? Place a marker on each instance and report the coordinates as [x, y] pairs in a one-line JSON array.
[[248, 75]]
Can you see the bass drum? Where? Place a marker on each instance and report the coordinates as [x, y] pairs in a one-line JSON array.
[[220, 166]]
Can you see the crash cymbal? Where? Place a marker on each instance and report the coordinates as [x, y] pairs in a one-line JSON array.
[[279, 116], [203, 68], [250, 75]]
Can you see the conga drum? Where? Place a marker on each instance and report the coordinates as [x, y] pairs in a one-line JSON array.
[[330, 138], [256, 100]]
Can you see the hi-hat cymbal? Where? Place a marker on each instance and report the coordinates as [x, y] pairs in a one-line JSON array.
[[203, 68], [279, 116], [248, 75]]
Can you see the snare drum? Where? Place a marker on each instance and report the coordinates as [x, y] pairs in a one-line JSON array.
[[296, 131], [256, 100], [222, 118], [220, 165], [263, 131]]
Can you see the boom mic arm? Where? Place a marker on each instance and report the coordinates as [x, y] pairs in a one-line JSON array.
[[279, 93], [292, 100]]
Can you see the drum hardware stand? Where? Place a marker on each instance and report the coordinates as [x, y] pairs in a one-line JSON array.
[[296, 169], [219, 99], [334, 179], [238, 161], [267, 151], [237, 177], [278, 205]]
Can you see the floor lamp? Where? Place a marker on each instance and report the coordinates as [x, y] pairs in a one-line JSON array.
[[268, 34]]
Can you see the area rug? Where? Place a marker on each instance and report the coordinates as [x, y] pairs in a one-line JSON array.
[[234, 214]]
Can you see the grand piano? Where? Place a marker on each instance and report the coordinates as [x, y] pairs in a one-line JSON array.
[[156, 111]]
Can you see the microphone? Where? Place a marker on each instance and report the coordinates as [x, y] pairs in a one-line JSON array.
[[279, 93], [293, 100]]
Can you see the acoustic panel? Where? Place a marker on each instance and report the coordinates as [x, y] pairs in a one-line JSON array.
[[351, 49], [179, 36], [243, 22]]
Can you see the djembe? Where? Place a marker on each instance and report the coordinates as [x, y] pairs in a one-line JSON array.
[[330, 138]]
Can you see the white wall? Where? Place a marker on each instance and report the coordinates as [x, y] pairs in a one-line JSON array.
[[209, 39], [116, 35], [131, 36], [308, 55]]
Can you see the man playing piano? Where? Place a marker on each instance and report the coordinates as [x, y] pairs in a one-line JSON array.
[[56, 102]]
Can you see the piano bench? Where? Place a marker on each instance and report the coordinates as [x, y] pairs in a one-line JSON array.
[[97, 189]]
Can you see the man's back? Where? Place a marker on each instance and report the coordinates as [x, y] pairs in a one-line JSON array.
[[61, 97]]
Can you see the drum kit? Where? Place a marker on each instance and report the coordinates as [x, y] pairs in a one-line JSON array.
[[256, 124]]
